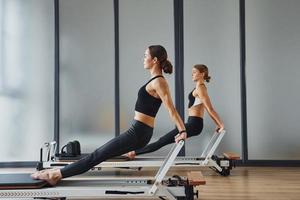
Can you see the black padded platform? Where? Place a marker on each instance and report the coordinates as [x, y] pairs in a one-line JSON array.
[[20, 181]]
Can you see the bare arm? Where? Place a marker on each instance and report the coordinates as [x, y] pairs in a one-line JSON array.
[[162, 89], [203, 95]]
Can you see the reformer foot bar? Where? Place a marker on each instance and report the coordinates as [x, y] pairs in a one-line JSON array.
[[101, 187], [221, 165]]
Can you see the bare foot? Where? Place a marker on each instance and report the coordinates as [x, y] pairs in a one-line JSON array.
[[131, 155], [52, 176]]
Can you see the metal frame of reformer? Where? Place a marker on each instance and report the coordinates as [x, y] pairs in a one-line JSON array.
[[108, 188], [206, 160]]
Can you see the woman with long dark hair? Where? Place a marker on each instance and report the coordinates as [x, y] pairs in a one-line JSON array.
[[150, 97]]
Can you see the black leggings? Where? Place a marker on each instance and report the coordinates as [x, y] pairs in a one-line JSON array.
[[138, 136], [193, 127]]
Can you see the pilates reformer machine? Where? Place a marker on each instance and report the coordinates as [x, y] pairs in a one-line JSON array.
[[21, 186], [221, 165]]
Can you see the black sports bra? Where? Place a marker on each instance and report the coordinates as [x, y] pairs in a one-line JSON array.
[[194, 101], [146, 103]]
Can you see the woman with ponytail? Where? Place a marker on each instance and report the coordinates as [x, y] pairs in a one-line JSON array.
[[199, 101], [150, 96]]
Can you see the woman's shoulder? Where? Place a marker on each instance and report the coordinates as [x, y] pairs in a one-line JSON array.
[[159, 82], [201, 89], [159, 79]]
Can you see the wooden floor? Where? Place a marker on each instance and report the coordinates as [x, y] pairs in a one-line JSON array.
[[253, 183], [244, 183]]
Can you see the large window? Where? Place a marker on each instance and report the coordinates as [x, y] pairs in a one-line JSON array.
[[211, 37], [273, 48], [86, 72], [86, 47], [26, 78]]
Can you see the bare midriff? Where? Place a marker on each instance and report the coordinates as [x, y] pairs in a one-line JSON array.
[[196, 111], [146, 119]]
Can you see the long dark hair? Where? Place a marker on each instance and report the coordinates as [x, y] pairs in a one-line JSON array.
[[160, 53]]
